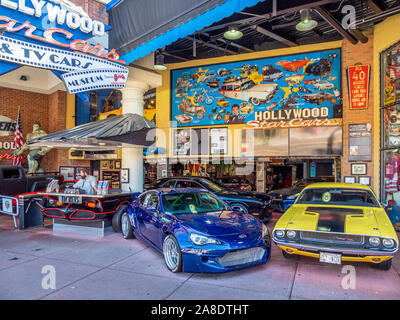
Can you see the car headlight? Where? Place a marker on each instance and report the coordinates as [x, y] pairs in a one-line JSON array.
[[279, 233], [291, 234], [264, 231], [388, 243], [202, 240], [374, 241]]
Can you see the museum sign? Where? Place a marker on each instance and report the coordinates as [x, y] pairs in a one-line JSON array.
[[92, 67]]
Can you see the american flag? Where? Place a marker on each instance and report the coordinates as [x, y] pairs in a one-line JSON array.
[[18, 141]]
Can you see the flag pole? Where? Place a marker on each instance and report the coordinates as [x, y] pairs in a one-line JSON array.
[[15, 131]]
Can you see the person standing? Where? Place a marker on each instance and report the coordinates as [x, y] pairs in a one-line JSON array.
[[87, 183]]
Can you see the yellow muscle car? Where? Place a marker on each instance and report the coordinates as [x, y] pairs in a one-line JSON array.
[[337, 222]]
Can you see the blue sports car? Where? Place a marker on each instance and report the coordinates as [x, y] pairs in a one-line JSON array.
[[196, 231]]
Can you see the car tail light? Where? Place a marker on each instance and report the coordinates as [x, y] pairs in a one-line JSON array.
[[91, 204]]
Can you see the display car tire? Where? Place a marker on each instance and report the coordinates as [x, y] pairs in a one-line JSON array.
[[385, 265], [239, 207], [210, 100], [172, 254], [116, 219], [200, 115], [255, 101], [126, 226]]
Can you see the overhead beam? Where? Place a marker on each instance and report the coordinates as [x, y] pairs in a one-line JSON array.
[[373, 5], [359, 35], [174, 56], [274, 36], [335, 24], [257, 19], [234, 44], [210, 45]]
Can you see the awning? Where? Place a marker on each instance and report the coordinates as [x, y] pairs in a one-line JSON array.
[[141, 27], [127, 130]]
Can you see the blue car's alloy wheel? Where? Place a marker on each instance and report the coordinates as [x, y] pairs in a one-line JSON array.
[[172, 254], [126, 226]]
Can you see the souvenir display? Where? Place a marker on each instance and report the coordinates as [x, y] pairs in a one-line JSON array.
[[391, 74], [258, 92]]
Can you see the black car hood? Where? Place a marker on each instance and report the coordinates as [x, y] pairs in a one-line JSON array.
[[284, 192], [245, 194]]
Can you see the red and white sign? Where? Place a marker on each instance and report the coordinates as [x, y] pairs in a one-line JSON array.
[[358, 85]]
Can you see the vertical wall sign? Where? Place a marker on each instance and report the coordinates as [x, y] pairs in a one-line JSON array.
[[360, 142], [358, 85]]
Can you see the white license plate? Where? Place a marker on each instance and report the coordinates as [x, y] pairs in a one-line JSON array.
[[330, 258]]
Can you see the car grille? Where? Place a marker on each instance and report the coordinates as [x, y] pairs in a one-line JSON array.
[[237, 258], [331, 238]]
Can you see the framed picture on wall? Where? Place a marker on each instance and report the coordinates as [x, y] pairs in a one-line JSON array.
[[349, 179], [67, 172], [104, 164], [118, 164], [124, 178], [365, 180], [358, 169]]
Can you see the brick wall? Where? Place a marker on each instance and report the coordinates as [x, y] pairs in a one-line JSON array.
[[352, 54], [49, 110], [95, 10]]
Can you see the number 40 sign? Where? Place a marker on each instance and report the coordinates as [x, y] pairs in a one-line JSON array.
[[358, 84]]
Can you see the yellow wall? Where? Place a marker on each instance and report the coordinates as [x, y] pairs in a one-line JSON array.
[[163, 95], [70, 112], [386, 34]]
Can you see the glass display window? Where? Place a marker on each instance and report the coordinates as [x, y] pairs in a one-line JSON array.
[[391, 174], [390, 125]]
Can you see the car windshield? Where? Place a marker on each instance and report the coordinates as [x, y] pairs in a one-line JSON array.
[[338, 196], [247, 85], [199, 202], [213, 186]]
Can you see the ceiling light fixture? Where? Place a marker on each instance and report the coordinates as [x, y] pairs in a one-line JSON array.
[[233, 33], [159, 64], [307, 23]]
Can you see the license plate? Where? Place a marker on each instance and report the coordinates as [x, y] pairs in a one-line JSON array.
[[71, 199], [330, 258]]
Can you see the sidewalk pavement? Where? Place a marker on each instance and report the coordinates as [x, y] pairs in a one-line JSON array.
[[114, 268]]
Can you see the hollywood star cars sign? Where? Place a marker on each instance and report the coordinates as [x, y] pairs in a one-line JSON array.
[[85, 66]]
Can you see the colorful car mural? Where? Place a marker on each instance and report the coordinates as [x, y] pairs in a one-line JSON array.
[[268, 84], [247, 90]]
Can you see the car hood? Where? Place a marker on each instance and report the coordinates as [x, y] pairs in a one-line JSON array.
[[284, 192], [241, 194], [263, 87], [343, 219], [222, 223]]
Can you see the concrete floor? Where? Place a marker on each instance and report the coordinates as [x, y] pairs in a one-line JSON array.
[[114, 268]]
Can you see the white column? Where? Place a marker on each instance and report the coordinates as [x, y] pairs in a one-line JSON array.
[[132, 158], [141, 79]]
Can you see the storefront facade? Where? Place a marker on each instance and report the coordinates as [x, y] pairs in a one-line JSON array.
[[55, 86], [323, 141], [39, 94], [386, 56]]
